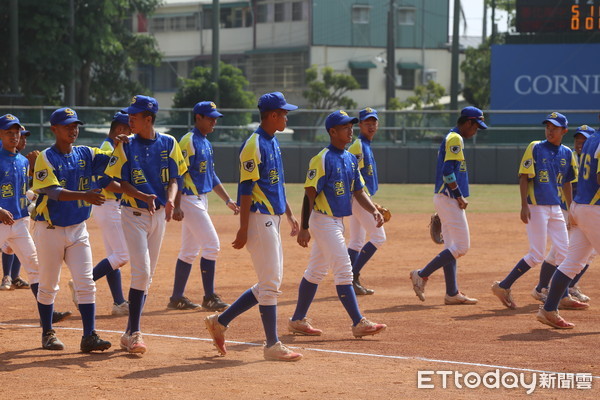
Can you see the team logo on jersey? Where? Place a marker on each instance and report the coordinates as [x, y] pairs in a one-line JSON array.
[[184, 153], [311, 174], [544, 177], [41, 175], [137, 176], [8, 190], [202, 167], [527, 163], [273, 176], [249, 165], [370, 170], [338, 187], [62, 183], [455, 149], [81, 163], [563, 162], [113, 160], [463, 166]]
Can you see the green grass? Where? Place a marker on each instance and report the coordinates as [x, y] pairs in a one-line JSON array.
[[407, 198]]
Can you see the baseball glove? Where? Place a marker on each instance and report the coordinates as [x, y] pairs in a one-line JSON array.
[[387, 215], [435, 229]]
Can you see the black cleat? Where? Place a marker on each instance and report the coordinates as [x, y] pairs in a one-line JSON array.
[[214, 303], [182, 303], [20, 283], [359, 289], [58, 316], [93, 343], [51, 342]]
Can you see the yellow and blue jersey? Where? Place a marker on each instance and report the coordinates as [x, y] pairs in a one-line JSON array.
[[361, 148], [14, 183], [198, 155], [451, 159], [261, 173], [548, 167], [588, 190], [563, 199], [101, 181], [335, 176], [72, 171], [148, 165]]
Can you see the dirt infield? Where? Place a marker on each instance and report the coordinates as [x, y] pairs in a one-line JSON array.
[[182, 363]]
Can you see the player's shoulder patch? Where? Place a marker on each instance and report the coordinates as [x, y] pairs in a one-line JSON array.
[[311, 174], [528, 163], [249, 165], [41, 175], [184, 152], [455, 149], [113, 160]]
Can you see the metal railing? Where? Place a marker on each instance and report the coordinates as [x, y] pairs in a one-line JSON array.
[[406, 127]]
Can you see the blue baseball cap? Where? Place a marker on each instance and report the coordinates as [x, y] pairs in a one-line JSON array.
[[557, 119], [208, 109], [274, 101], [474, 113], [141, 103], [64, 116], [585, 130], [121, 117], [8, 120], [25, 132], [339, 117], [367, 113]]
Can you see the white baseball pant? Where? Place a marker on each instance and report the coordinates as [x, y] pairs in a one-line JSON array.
[[585, 238], [551, 256], [197, 231], [328, 250], [264, 245], [455, 228], [362, 222], [108, 218], [143, 235], [71, 244], [546, 221], [17, 237]]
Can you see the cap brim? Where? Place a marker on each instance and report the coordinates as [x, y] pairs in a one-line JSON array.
[[289, 107], [213, 114], [587, 135], [369, 116], [553, 122], [25, 133], [11, 124], [481, 124], [70, 121], [135, 110]]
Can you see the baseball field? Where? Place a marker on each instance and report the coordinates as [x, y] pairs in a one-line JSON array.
[[429, 351]]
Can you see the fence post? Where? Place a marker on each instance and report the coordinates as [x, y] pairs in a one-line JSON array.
[[41, 124]]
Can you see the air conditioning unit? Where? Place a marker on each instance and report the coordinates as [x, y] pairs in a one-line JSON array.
[[430, 75], [398, 81]]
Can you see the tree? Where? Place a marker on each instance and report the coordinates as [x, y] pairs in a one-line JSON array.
[[326, 94], [232, 91], [100, 60]]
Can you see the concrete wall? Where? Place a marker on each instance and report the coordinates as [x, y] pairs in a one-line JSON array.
[[395, 164]]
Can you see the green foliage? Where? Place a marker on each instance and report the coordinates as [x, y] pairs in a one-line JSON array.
[[100, 61], [232, 92], [326, 93], [477, 71]]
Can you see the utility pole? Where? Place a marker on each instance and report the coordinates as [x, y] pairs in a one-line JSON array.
[[14, 47], [216, 55], [454, 64], [484, 30], [390, 68], [70, 87], [494, 26]]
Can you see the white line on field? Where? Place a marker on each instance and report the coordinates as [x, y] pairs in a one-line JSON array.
[[352, 353]]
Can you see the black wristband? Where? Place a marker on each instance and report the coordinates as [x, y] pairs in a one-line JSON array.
[[456, 192]]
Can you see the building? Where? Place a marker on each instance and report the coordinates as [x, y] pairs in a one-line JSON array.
[[275, 41]]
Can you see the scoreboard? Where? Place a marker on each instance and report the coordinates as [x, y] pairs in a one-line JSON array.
[[558, 16]]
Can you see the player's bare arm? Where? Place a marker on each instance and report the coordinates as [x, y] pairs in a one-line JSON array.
[[6, 217], [291, 219], [172, 191], [242, 234], [114, 187], [93, 196], [308, 203], [523, 188], [223, 195], [366, 203], [130, 190], [177, 211]]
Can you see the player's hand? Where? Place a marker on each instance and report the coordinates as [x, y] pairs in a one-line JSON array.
[[571, 221], [378, 218], [240, 239], [32, 156], [525, 214], [303, 237], [177, 214], [462, 202], [122, 138], [234, 207], [169, 207], [94, 197], [6, 217], [294, 224], [149, 199]]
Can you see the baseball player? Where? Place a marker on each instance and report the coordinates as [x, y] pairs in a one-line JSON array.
[[546, 167], [16, 203], [584, 238], [262, 201], [332, 180], [198, 232], [62, 176], [361, 221], [450, 200], [148, 169], [549, 265]]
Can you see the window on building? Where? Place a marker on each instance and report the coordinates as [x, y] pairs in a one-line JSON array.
[[165, 77], [280, 12], [262, 13], [408, 74], [406, 16], [360, 14], [174, 23], [281, 70], [297, 11], [157, 24], [207, 19], [362, 76]]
